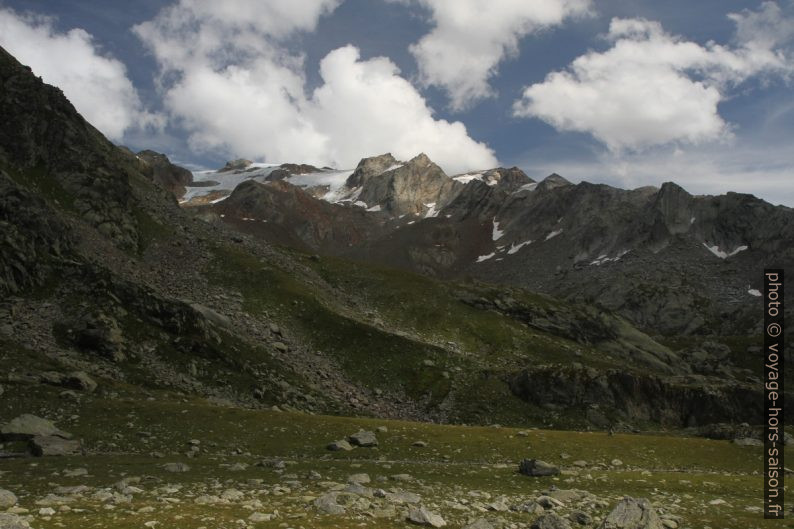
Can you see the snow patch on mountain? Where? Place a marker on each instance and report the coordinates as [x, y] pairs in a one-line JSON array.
[[604, 258], [480, 176], [226, 181], [553, 234], [497, 233], [514, 248], [714, 249], [754, 292], [335, 180], [468, 177], [482, 258], [527, 187], [431, 211]]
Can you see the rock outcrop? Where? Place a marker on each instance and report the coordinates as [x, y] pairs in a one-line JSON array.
[[171, 177], [409, 189]]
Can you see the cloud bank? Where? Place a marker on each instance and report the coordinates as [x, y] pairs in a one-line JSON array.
[[229, 79], [96, 84], [471, 37], [653, 88]]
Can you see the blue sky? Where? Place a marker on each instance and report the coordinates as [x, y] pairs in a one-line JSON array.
[[628, 93]]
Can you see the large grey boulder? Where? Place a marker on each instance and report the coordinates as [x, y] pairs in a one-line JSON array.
[[12, 521], [7, 499], [421, 516], [327, 504], [632, 513], [28, 426], [363, 438], [537, 468], [52, 445]]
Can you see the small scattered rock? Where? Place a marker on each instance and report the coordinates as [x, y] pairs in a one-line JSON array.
[[79, 380], [550, 521], [580, 517], [748, 441], [259, 517], [176, 467], [341, 445], [480, 523]]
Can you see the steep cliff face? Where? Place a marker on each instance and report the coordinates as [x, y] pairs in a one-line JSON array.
[[613, 396], [171, 177], [42, 131], [416, 188]]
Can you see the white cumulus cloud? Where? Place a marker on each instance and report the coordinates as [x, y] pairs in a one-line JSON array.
[[96, 84], [471, 37], [231, 82], [653, 88]]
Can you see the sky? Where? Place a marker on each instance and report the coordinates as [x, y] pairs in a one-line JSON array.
[[624, 92]]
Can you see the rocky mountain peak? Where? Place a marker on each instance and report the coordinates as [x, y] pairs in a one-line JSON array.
[[369, 167], [553, 181], [421, 160], [509, 179], [418, 187]]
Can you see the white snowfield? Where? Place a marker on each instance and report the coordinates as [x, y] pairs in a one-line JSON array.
[[227, 181]]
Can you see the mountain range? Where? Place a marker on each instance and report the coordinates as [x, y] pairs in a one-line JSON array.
[[670, 262], [253, 315]]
